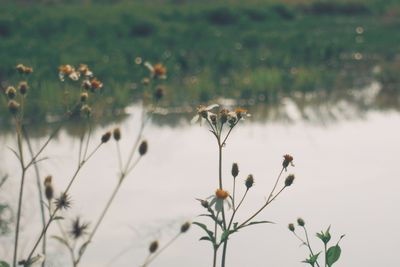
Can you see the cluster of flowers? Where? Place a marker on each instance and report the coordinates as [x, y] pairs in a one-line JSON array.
[[221, 117]]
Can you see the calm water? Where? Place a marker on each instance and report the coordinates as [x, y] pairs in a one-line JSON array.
[[346, 176]]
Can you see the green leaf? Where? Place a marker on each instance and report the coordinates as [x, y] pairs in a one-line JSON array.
[[235, 225], [61, 240], [333, 255], [312, 259], [205, 238], [209, 233], [58, 218], [225, 235], [258, 222], [83, 248], [4, 264]]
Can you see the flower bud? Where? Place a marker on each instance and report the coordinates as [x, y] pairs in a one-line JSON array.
[[153, 246], [213, 119], [143, 148], [105, 137], [249, 181], [291, 227], [287, 159], [13, 106], [117, 134], [235, 170], [300, 222], [11, 92], [205, 203], [185, 227], [289, 180], [23, 88]]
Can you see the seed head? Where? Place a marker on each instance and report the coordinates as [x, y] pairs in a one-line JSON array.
[[78, 229], [63, 202], [13, 106], [289, 180], [96, 84], [117, 134], [221, 194], [224, 115], [84, 96], [235, 170], [204, 203], [287, 159], [153, 246], [143, 148], [213, 119], [291, 227], [249, 181], [300, 222], [86, 85], [240, 112], [11, 92], [105, 137], [23, 87], [185, 227]]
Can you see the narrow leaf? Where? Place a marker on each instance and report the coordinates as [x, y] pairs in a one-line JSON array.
[[61, 240], [205, 238], [204, 227], [83, 248]]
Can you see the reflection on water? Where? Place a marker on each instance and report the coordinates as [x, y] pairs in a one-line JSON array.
[[346, 176]]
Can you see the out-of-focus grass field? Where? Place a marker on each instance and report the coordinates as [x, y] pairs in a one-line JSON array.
[[260, 50]]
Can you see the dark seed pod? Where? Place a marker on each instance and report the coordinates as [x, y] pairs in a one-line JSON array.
[[185, 227], [106, 137], [143, 148], [153, 246]]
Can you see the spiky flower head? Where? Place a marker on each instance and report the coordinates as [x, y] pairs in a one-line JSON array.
[[78, 229], [63, 202], [287, 159]]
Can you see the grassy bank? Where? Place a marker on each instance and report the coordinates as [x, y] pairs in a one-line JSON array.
[[260, 50]]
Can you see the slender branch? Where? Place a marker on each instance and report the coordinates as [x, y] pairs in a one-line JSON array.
[[309, 245], [276, 183]]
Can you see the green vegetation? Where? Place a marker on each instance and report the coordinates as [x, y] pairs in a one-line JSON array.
[[260, 50]]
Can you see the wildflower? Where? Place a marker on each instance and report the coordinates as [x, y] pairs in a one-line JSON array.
[[96, 84], [22, 69], [223, 115], [84, 96], [157, 71], [84, 69], [63, 202], [235, 170], [241, 113], [221, 194], [23, 87], [65, 70], [11, 92], [13, 106], [287, 159], [213, 119], [204, 203], [249, 181], [185, 227], [48, 188], [203, 112], [153, 246], [78, 228], [86, 85], [105, 137], [291, 227], [117, 134], [143, 148], [289, 180], [300, 222]]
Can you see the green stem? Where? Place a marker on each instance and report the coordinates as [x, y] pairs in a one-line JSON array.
[[308, 244]]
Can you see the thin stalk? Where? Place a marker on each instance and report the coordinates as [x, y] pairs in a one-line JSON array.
[[276, 183], [308, 244], [40, 193], [326, 258], [21, 189], [215, 245]]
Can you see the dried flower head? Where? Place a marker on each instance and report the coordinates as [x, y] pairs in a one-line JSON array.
[[23, 87], [185, 227], [235, 170], [78, 229], [153, 246], [287, 159], [249, 181], [160, 70], [84, 96], [11, 92], [63, 202], [221, 194], [143, 148], [86, 85], [289, 180], [13, 106], [48, 188], [203, 112], [117, 134], [300, 222], [240, 112], [213, 119], [105, 137], [84, 69], [291, 227], [96, 84], [22, 69], [223, 113]]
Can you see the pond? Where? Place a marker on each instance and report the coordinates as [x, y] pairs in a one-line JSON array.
[[346, 176]]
